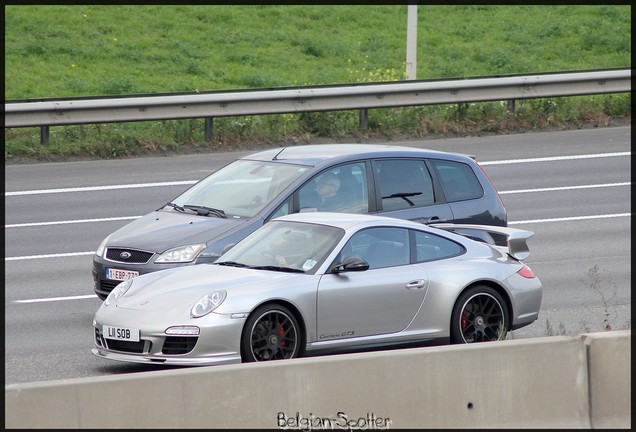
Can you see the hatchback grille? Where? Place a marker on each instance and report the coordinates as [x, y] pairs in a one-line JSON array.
[[131, 256], [179, 344]]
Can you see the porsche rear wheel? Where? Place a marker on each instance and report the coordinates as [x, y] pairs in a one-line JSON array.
[[271, 332], [479, 315]]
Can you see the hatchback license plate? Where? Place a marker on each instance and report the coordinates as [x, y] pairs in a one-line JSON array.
[[120, 275], [121, 333]]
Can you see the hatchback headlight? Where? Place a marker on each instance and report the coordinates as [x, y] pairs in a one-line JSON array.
[[181, 254], [117, 292], [100, 249], [207, 303]]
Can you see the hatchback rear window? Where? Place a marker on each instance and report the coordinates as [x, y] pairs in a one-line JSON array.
[[458, 180]]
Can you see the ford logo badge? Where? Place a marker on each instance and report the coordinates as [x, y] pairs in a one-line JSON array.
[[125, 255]]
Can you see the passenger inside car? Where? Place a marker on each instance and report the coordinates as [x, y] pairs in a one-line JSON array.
[[325, 196], [337, 190], [327, 190]]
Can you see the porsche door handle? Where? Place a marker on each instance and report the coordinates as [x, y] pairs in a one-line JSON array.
[[416, 284]]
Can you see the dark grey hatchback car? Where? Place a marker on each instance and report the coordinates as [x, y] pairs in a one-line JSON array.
[[224, 207]]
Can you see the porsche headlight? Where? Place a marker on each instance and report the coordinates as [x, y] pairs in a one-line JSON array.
[[100, 249], [181, 254], [117, 292], [207, 303]]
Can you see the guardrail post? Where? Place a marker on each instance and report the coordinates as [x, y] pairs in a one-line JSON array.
[[44, 135], [208, 129], [462, 108], [364, 119], [511, 106]]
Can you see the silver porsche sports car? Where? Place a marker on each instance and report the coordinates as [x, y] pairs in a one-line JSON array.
[[310, 283]]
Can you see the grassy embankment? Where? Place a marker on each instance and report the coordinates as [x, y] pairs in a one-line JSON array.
[[77, 51]]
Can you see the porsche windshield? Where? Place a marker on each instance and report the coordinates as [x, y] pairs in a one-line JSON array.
[[241, 188], [284, 246]]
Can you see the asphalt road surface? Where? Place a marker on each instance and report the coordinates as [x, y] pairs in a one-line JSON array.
[[572, 188]]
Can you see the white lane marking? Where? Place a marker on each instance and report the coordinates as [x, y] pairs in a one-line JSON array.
[[51, 299], [562, 188], [91, 253], [564, 219], [555, 158], [574, 218], [33, 224], [71, 222], [96, 188], [60, 255], [189, 182], [140, 185]]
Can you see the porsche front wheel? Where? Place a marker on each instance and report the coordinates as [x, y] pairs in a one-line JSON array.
[[479, 315], [271, 332]]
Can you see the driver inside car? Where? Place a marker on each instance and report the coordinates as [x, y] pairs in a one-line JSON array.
[[290, 250]]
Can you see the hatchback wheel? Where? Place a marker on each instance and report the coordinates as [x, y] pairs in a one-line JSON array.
[[271, 332], [479, 315]]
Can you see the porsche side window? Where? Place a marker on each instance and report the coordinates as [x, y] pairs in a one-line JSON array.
[[430, 247], [380, 247], [404, 184], [458, 180]]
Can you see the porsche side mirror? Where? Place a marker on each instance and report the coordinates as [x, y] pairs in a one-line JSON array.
[[350, 263]]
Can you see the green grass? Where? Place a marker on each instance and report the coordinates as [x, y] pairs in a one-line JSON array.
[[81, 50]]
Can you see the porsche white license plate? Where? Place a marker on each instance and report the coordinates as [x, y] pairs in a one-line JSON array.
[[120, 275], [121, 333]]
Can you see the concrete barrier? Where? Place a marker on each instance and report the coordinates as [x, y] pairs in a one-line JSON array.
[[609, 371], [548, 382]]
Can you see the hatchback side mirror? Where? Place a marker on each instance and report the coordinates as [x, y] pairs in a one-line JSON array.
[[350, 263]]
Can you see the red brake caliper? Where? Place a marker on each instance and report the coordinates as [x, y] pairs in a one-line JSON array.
[[464, 321], [281, 332]]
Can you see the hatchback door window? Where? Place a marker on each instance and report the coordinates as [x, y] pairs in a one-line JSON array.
[[341, 189], [282, 210], [404, 184]]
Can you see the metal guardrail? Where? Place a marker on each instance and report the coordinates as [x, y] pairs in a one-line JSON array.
[[311, 99]]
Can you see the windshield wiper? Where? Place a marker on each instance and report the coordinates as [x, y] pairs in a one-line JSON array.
[[404, 196], [206, 211], [278, 268], [175, 206], [231, 263]]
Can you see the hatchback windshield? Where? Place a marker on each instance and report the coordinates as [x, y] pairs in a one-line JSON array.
[[241, 188]]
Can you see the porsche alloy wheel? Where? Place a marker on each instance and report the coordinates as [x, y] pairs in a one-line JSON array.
[[480, 315], [271, 333]]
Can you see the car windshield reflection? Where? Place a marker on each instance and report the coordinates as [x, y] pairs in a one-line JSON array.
[[241, 188]]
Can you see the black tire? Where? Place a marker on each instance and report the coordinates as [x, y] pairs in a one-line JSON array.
[[271, 332], [480, 315]]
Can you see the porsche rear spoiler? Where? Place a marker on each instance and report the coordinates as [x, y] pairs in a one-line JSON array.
[[516, 238]]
